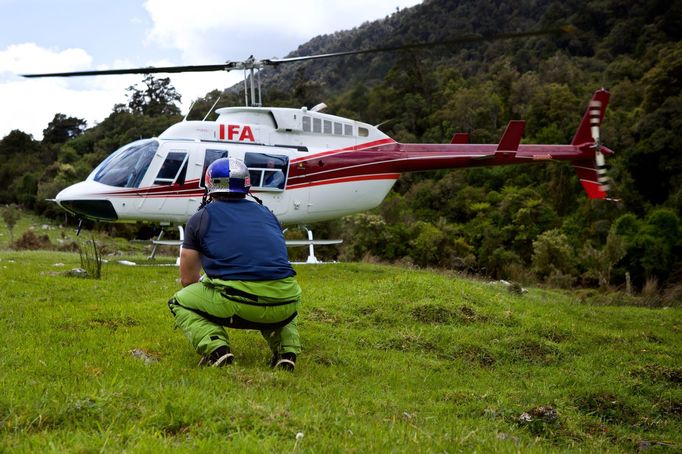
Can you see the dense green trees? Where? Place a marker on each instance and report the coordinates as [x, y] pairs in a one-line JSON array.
[[525, 223]]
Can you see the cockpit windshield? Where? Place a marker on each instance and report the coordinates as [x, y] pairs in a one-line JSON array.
[[126, 166]]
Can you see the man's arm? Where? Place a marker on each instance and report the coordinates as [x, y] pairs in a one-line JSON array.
[[190, 266]]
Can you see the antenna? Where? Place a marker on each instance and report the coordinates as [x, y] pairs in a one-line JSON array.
[[188, 111], [211, 109]]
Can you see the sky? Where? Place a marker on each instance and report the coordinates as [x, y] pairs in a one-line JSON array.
[[43, 36]]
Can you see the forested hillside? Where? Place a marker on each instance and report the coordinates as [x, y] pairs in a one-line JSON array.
[[523, 223]]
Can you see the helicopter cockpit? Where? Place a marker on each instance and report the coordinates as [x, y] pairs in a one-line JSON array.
[[126, 167]]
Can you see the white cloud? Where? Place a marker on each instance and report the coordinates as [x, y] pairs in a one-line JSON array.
[[30, 58], [35, 102], [30, 104], [210, 31]]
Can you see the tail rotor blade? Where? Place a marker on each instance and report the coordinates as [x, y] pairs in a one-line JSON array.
[[595, 119]]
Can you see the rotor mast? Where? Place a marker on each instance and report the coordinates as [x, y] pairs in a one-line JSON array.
[[251, 67]]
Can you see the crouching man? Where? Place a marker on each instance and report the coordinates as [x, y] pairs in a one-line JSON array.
[[248, 283]]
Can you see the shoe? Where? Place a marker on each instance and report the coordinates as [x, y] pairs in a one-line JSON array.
[[285, 361], [220, 357]]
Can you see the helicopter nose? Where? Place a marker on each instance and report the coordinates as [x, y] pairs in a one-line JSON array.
[[77, 201], [101, 210]]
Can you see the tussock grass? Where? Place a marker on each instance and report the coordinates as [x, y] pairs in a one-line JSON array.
[[394, 360]]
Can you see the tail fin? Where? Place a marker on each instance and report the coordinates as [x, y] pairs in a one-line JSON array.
[[593, 117], [592, 171]]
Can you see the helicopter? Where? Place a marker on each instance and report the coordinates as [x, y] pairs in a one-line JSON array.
[[305, 165]]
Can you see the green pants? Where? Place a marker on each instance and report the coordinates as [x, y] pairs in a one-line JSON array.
[[203, 310]]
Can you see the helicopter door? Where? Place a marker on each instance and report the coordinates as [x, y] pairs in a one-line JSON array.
[[162, 199], [268, 174]]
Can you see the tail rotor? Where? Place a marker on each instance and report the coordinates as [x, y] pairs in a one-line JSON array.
[[591, 166], [595, 123]]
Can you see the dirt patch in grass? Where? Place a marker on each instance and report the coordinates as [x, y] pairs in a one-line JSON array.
[[659, 373], [606, 406], [114, 323], [432, 313], [541, 420], [534, 352], [316, 314], [554, 333], [670, 408], [475, 354], [467, 314], [441, 314], [408, 342]]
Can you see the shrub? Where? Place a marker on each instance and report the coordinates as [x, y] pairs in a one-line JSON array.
[[553, 256], [10, 215], [31, 241]]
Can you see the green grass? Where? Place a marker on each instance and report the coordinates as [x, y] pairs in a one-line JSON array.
[[394, 360]]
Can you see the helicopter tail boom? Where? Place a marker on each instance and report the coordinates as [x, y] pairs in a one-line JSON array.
[[585, 152]]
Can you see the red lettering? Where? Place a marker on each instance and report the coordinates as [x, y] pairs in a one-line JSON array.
[[247, 134], [232, 131]]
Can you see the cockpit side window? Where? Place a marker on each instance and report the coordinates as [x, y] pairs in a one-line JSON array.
[[211, 155], [171, 167], [126, 167]]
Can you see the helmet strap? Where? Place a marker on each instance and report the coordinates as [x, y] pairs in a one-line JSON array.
[[205, 200], [260, 202]]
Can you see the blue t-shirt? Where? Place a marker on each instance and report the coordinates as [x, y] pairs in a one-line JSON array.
[[238, 240]]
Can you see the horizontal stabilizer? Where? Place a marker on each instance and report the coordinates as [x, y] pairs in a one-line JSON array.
[[294, 243], [461, 138], [167, 242], [511, 138], [290, 243]]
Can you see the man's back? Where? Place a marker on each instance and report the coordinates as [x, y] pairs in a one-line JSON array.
[[239, 240]]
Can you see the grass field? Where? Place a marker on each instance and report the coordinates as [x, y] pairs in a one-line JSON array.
[[394, 360]]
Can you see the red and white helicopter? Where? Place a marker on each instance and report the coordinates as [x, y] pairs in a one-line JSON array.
[[306, 165]]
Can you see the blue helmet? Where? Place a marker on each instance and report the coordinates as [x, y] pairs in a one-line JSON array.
[[227, 175]]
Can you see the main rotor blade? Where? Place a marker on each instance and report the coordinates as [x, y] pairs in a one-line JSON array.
[[447, 42], [254, 64], [228, 66]]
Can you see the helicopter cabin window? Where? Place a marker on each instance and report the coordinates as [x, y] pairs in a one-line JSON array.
[[347, 130], [268, 171], [363, 132], [326, 126], [174, 167], [126, 167], [209, 157]]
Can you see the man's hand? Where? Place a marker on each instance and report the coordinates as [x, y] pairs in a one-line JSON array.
[[190, 266]]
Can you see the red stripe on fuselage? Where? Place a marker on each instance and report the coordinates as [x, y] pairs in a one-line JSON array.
[[383, 176], [341, 150], [188, 189]]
